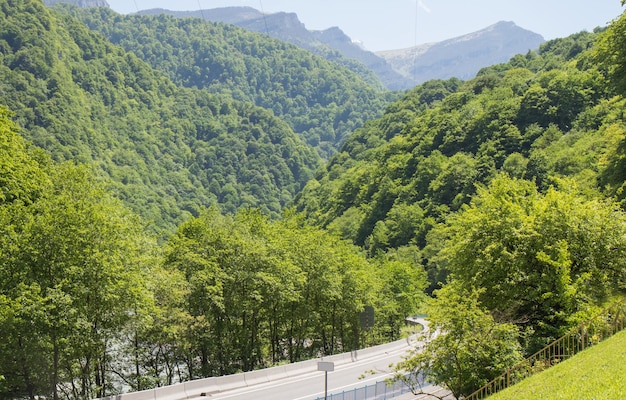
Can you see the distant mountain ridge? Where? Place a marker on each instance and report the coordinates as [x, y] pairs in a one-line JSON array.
[[462, 57], [332, 44]]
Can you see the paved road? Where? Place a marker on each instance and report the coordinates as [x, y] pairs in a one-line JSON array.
[[310, 385]]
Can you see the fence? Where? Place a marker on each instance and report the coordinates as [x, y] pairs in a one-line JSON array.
[[378, 391], [609, 322]]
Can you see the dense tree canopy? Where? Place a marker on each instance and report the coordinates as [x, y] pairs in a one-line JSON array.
[[539, 258], [323, 102], [87, 303], [71, 262], [424, 158], [170, 151], [291, 290], [505, 191]]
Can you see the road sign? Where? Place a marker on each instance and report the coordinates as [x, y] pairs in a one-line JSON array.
[[327, 366]]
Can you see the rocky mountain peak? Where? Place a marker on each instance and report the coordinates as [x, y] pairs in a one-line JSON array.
[[463, 56]]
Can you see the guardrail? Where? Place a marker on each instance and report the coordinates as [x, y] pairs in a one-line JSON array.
[[379, 391], [208, 386], [606, 324]]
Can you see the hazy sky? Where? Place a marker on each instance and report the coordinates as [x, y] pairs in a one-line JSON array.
[[395, 24]]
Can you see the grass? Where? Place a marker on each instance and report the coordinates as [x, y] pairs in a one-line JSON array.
[[597, 373]]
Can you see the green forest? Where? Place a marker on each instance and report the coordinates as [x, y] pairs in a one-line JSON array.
[[181, 199]]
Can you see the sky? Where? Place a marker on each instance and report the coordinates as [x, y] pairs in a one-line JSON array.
[[397, 24]]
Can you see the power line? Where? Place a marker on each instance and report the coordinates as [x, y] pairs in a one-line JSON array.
[[201, 11], [415, 43], [264, 19]]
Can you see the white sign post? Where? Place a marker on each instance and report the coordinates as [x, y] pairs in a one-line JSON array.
[[325, 366]]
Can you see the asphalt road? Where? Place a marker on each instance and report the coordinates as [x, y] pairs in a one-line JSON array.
[[310, 385]]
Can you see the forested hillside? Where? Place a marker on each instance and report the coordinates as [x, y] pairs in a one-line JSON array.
[[322, 101], [332, 43], [508, 188], [91, 305], [169, 151], [92, 302], [502, 196], [401, 174]]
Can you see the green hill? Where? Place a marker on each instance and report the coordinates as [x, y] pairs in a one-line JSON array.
[[168, 151], [91, 305], [543, 115], [322, 101], [508, 190], [596, 373]]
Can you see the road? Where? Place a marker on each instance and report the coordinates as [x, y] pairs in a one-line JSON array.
[[310, 385]]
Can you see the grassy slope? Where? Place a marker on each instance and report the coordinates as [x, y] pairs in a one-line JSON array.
[[597, 373]]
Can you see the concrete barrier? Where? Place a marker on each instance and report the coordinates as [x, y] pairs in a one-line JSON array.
[[228, 382], [201, 387], [142, 395], [340, 359], [276, 373], [301, 367], [256, 377], [171, 392]]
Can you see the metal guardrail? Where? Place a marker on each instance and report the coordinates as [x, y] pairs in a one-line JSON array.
[[378, 391], [606, 324]]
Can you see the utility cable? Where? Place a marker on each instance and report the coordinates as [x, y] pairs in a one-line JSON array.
[[267, 30]]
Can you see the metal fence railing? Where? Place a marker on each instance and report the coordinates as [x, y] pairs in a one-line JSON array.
[[378, 391], [609, 322]]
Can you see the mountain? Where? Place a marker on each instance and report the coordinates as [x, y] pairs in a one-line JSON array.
[[464, 56], [79, 3], [321, 101], [167, 151], [399, 175], [332, 44], [460, 57]]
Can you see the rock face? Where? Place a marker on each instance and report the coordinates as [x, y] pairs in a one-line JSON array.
[[464, 56], [79, 3]]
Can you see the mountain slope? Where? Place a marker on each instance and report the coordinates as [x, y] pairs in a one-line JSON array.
[[322, 102], [168, 151], [332, 44], [79, 3], [464, 56], [401, 174]]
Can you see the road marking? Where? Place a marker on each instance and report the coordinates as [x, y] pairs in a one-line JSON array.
[[313, 375]]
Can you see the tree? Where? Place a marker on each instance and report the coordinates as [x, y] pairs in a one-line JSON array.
[[536, 259], [611, 53], [86, 252], [465, 347], [262, 292], [71, 256], [402, 290]]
